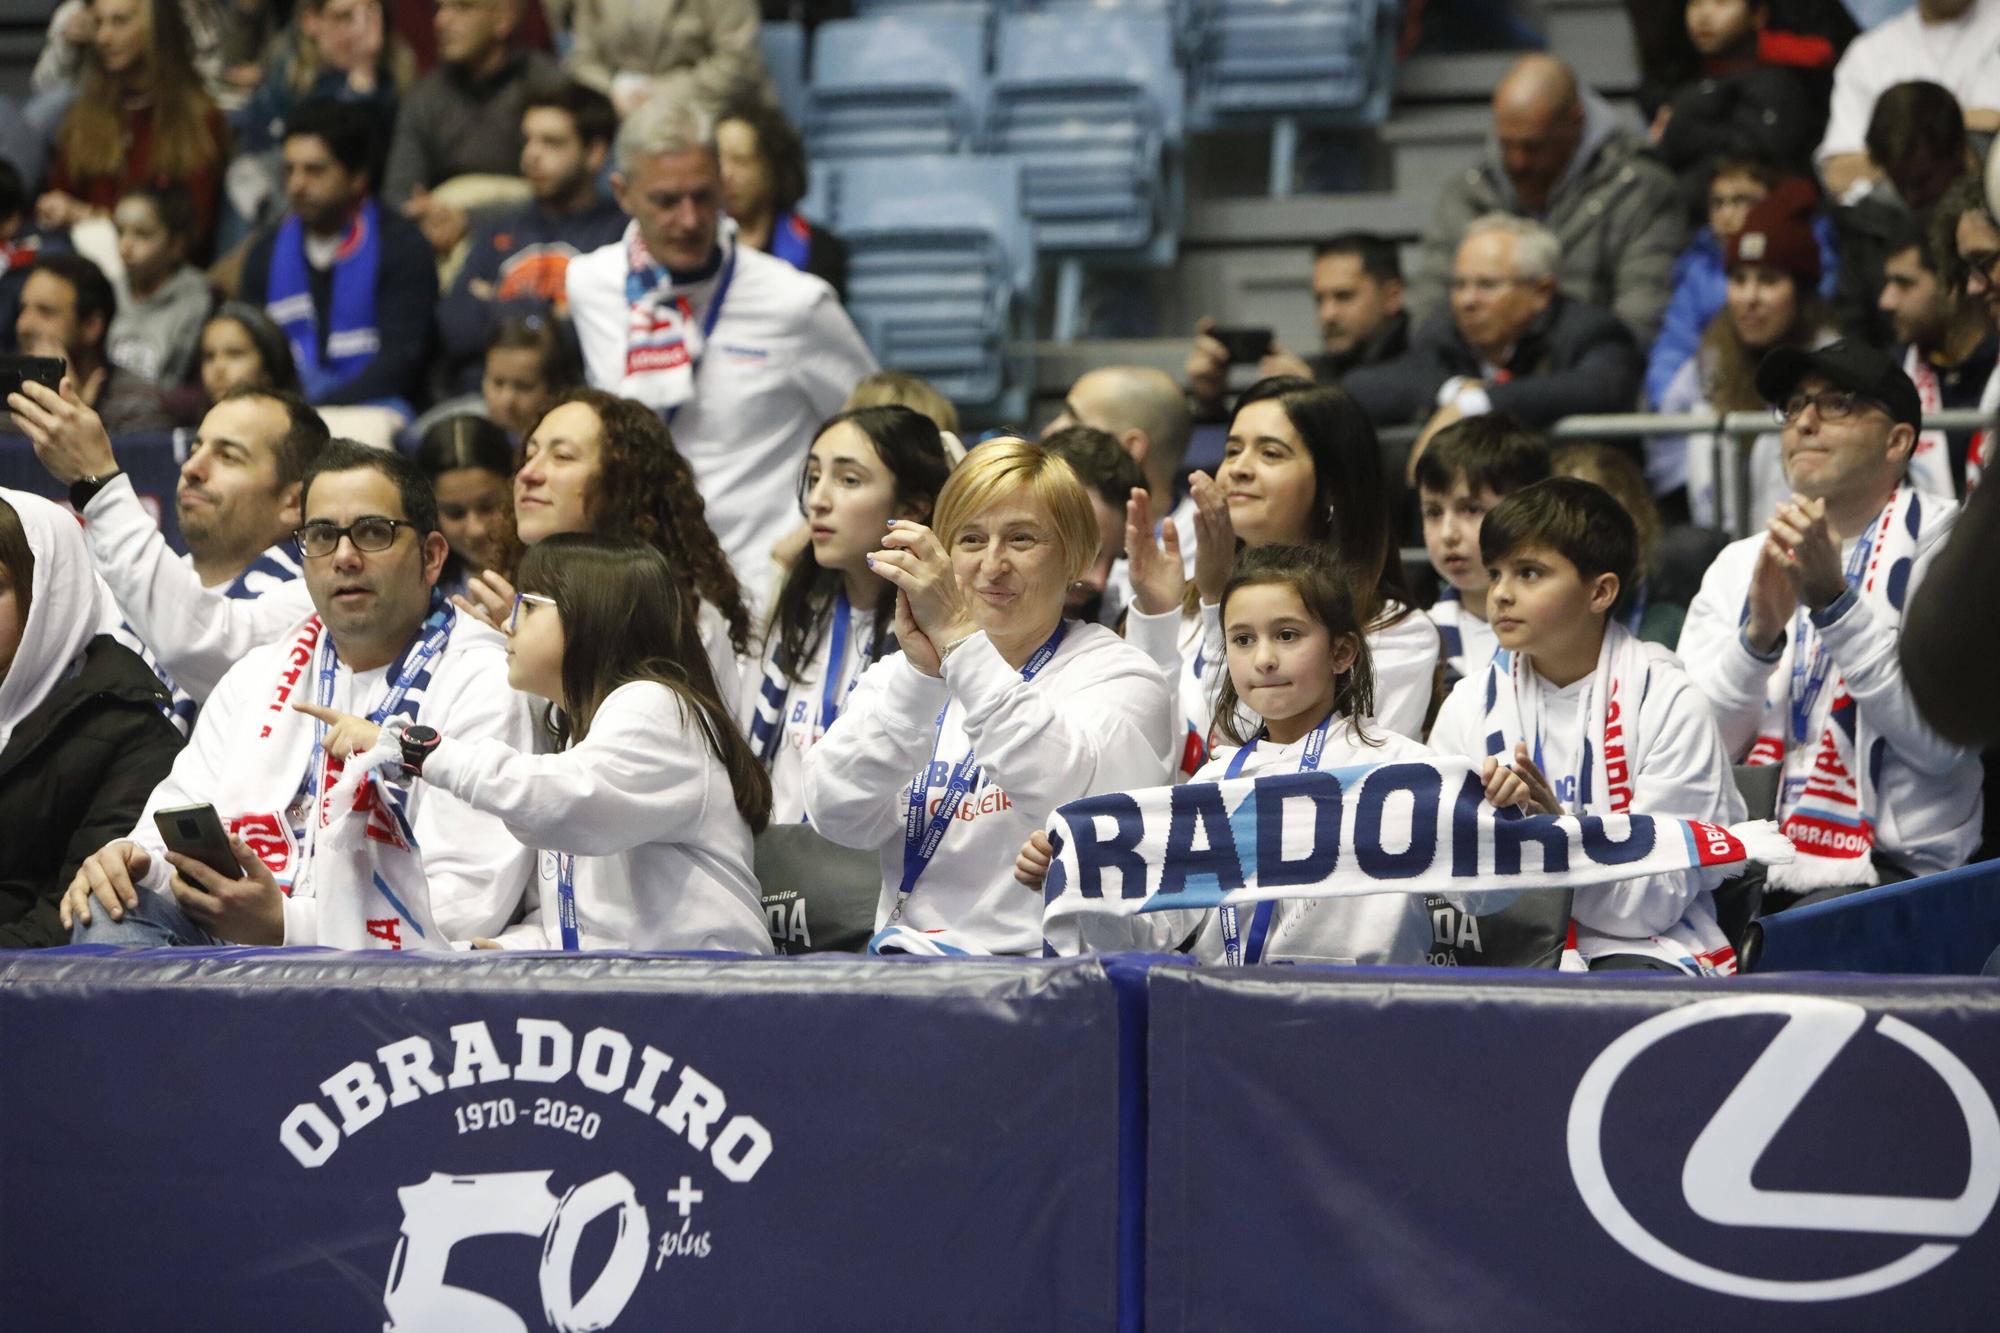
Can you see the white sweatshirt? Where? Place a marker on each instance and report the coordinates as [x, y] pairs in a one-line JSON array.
[[781, 359], [1095, 719], [1928, 795], [1375, 928], [1189, 651], [194, 633], [476, 872], [798, 709], [1679, 768], [662, 856]]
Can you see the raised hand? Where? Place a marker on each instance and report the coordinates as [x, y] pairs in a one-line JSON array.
[[1214, 537], [1158, 580]]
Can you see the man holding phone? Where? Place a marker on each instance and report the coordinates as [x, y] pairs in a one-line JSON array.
[[382, 644], [1357, 286], [237, 501], [67, 305]]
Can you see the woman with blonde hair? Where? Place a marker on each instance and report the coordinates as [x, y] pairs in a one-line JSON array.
[[994, 711]]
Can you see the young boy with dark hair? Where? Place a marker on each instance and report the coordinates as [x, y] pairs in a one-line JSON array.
[[1576, 716], [1470, 466], [162, 299]]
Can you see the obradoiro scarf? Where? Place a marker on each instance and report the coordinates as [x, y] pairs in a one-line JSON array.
[[1406, 827], [1826, 800]]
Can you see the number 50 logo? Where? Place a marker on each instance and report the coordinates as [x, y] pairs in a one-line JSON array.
[[445, 1210]]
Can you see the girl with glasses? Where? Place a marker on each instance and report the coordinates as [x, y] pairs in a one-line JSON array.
[[644, 815]]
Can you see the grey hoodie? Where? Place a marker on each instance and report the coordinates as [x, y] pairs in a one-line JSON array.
[[1616, 212]]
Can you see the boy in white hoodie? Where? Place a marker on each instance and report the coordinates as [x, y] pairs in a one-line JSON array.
[[1592, 721]]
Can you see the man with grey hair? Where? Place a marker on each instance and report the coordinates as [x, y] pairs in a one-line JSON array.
[[742, 354], [1558, 155], [1512, 343]]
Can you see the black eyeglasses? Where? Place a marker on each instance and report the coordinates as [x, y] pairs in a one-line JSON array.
[[372, 532], [1831, 404]]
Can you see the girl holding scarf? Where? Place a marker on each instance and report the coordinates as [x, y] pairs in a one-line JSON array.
[[993, 711], [832, 617], [1301, 467], [644, 815], [1575, 715]]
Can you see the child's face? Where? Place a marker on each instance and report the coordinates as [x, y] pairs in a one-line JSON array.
[[148, 253], [1284, 663], [535, 651], [1538, 602], [1716, 25], [1451, 533], [1731, 196]]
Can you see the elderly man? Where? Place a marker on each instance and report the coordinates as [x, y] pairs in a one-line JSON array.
[[1559, 156], [1512, 342], [1796, 631], [741, 353], [1357, 289], [381, 643]]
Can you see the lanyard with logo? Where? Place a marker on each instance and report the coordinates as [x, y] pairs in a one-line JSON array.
[[707, 322], [920, 842], [430, 641], [1810, 662], [1260, 920], [566, 901], [829, 705]]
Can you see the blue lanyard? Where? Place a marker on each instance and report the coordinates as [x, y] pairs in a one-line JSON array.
[[566, 900], [435, 630], [920, 841], [1809, 668], [1260, 920], [708, 324], [829, 707]]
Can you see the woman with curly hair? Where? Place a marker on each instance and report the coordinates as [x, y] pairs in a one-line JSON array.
[[606, 465], [141, 118]]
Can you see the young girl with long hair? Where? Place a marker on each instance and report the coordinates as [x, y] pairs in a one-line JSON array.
[[1301, 467], [471, 466], [832, 615], [645, 813], [606, 465], [140, 117], [1297, 657]]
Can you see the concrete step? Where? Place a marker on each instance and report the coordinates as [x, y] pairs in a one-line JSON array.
[[1302, 219]]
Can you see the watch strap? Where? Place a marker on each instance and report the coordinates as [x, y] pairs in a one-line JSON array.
[[84, 489]]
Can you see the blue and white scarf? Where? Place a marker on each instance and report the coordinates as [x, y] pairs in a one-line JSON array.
[[352, 338]]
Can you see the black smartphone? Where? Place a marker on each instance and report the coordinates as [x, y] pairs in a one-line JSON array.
[[196, 832], [1244, 346], [18, 370]]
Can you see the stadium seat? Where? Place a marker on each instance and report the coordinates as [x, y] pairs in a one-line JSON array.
[[784, 47], [1090, 102], [941, 267], [1328, 60], [887, 87]]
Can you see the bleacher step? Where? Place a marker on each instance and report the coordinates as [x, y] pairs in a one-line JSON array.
[[1302, 219]]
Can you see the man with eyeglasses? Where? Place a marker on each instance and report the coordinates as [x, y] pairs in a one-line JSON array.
[[1512, 343], [1795, 631], [381, 644], [236, 501], [1964, 230]]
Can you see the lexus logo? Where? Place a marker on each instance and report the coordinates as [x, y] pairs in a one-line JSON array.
[[1716, 1176]]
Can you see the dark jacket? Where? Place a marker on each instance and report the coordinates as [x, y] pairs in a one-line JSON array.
[[1573, 358], [75, 775], [452, 124], [515, 268], [1760, 109], [406, 293], [1387, 343]]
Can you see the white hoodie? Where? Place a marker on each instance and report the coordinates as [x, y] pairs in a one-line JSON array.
[[662, 856], [1095, 719]]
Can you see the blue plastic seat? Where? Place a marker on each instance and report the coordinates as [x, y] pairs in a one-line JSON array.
[[1090, 101], [1322, 59], [784, 48], [941, 266], [885, 87]]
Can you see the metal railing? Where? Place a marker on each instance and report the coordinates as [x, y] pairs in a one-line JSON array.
[[1732, 432]]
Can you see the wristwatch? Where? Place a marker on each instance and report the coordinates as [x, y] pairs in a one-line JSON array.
[[84, 489], [418, 742]]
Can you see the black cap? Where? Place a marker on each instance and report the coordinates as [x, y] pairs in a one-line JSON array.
[[1850, 365]]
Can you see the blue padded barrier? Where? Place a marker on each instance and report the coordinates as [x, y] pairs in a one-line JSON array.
[[1378, 1149], [1948, 923], [316, 1141], [153, 462]]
